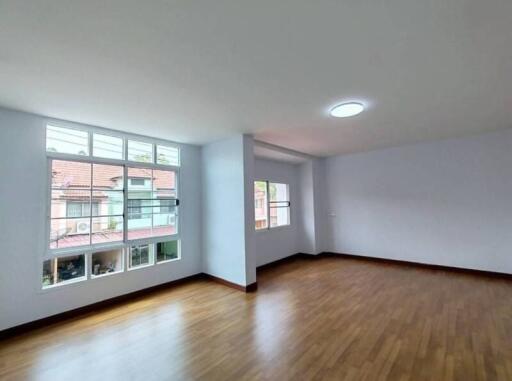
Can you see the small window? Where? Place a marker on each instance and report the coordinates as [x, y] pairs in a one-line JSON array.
[[106, 262], [108, 147], [140, 255], [81, 209], [167, 251], [134, 209], [67, 140], [64, 269], [140, 151], [271, 205], [137, 182], [167, 155]]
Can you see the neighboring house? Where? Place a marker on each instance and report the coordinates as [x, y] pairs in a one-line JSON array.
[[260, 207], [150, 212]]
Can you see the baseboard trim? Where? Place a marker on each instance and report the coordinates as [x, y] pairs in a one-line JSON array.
[[107, 303], [104, 304], [402, 262], [249, 288], [289, 258], [94, 307]]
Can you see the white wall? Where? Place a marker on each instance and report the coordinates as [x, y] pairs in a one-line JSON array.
[[23, 192], [307, 205], [312, 184], [250, 248], [446, 202], [226, 253], [281, 242]]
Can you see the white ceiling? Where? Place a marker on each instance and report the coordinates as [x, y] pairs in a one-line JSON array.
[[200, 70]]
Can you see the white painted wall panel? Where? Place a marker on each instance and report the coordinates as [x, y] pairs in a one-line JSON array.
[[447, 202]]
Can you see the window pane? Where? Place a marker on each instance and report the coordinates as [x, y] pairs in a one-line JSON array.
[[139, 151], [152, 210], [152, 225], [167, 155], [279, 216], [140, 179], [165, 223], [105, 262], [140, 226], [279, 204], [260, 204], [164, 184], [106, 146], [105, 203], [71, 174], [141, 255], [49, 272], [166, 251], [107, 229], [64, 269], [278, 192], [67, 140], [69, 232], [108, 177], [70, 268]]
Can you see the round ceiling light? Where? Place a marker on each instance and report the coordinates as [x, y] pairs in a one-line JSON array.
[[346, 109]]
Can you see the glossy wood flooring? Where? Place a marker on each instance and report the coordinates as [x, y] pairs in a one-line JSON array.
[[325, 319]]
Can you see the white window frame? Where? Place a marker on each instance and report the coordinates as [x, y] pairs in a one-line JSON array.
[[88, 250], [269, 227]]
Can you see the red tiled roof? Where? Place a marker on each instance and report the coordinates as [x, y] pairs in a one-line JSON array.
[[68, 174]]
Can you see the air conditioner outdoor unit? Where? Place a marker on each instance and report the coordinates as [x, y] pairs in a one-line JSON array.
[[83, 227]]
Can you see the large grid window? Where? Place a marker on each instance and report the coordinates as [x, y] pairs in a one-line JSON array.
[[271, 205], [102, 205]]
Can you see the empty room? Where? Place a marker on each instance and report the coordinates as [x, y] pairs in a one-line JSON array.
[[256, 190]]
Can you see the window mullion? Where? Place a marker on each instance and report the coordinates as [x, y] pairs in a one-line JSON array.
[[268, 204], [89, 143], [90, 202], [152, 197], [125, 203]]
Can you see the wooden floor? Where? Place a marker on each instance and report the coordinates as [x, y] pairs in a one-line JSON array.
[[325, 319]]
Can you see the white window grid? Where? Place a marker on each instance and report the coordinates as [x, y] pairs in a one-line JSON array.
[[89, 250]]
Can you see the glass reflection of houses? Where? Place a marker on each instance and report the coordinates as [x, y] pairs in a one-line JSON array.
[[87, 203]]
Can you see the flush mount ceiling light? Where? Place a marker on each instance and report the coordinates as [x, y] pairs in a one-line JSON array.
[[346, 109]]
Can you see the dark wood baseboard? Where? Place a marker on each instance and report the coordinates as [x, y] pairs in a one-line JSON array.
[[249, 288], [90, 308], [107, 303], [486, 273], [294, 257], [104, 304]]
